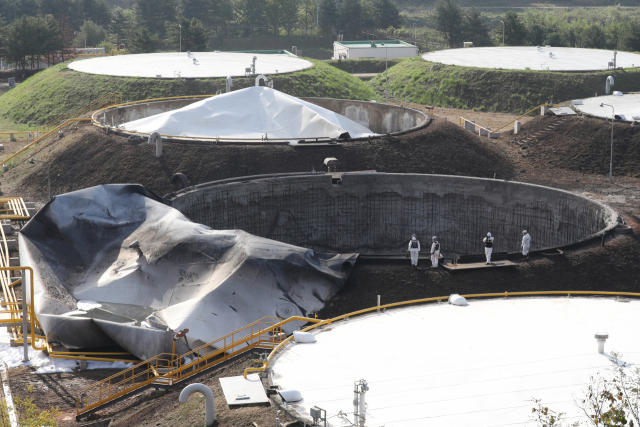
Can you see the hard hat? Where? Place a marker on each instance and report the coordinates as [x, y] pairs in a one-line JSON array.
[[433, 238], [413, 237], [488, 234], [524, 231]]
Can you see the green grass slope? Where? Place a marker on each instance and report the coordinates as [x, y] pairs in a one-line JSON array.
[[506, 91], [59, 90]]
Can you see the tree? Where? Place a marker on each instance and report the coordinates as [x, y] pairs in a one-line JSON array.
[[384, 14], [593, 36], [350, 19], [515, 32], [28, 37], [328, 15], [93, 33], [142, 41], [251, 12], [152, 14], [209, 12], [307, 14], [289, 17], [631, 40], [194, 35], [448, 21], [476, 29], [273, 12], [95, 11]]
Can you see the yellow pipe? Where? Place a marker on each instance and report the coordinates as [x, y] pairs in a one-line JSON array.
[[95, 359], [265, 364]]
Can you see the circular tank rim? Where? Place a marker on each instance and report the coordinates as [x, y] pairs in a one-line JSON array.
[[199, 140], [612, 214], [518, 51]]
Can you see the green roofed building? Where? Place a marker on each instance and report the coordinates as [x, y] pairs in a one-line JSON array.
[[373, 49]]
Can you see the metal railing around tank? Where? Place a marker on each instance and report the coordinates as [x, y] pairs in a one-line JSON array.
[[166, 369]]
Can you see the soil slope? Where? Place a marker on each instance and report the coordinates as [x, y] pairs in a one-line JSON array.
[[581, 144], [60, 90], [86, 157], [509, 91]]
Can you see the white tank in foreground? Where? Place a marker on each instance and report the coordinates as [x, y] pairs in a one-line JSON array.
[[254, 113]]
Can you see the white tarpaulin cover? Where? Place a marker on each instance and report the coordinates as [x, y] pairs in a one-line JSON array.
[[251, 113], [93, 289]]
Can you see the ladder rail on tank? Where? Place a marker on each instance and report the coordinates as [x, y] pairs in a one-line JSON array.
[[167, 370]]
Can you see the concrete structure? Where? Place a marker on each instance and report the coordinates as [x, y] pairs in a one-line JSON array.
[[533, 58], [377, 212], [379, 118], [193, 65], [627, 107], [443, 365], [380, 49]]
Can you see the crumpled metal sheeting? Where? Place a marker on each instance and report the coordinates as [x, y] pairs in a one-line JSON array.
[[212, 282]]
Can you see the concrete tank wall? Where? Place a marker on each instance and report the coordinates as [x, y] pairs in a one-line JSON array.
[[127, 113], [380, 118], [377, 212]]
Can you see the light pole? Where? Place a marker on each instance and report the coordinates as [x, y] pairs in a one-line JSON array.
[[180, 25], [613, 116], [386, 75], [502, 32], [32, 161], [85, 38]]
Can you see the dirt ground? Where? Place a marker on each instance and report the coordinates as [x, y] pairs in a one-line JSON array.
[[150, 408], [563, 157], [86, 157]]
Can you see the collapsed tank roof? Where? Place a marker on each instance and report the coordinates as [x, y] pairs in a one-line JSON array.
[[533, 58], [252, 113], [626, 107], [182, 65]]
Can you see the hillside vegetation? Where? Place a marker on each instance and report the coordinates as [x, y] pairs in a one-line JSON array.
[[509, 91], [59, 90]]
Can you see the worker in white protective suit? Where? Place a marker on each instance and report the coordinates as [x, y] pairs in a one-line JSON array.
[[488, 247], [435, 252], [526, 243], [414, 249]]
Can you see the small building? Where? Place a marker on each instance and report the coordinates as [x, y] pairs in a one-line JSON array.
[[373, 49]]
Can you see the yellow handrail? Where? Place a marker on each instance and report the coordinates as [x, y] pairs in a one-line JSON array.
[[27, 147], [179, 368], [424, 300], [462, 119]]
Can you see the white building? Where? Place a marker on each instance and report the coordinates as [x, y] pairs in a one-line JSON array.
[[373, 49]]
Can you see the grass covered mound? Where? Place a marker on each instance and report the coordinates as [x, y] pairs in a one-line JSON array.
[[508, 91], [59, 89]]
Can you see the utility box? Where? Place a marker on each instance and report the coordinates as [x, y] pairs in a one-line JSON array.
[[543, 110], [12, 82], [468, 44]]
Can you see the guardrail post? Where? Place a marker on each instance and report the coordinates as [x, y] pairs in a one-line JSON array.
[[378, 303], [25, 336]]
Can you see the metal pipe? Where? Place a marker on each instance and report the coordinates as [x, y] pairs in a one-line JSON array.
[[208, 396], [25, 341], [609, 84], [264, 367], [263, 77], [502, 32], [613, 117]]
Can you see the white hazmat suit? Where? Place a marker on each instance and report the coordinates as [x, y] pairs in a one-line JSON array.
[[526, 243], [435, 252], [488, 247], [414, 249]]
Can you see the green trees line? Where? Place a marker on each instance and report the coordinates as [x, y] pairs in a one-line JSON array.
[[614, 30]]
